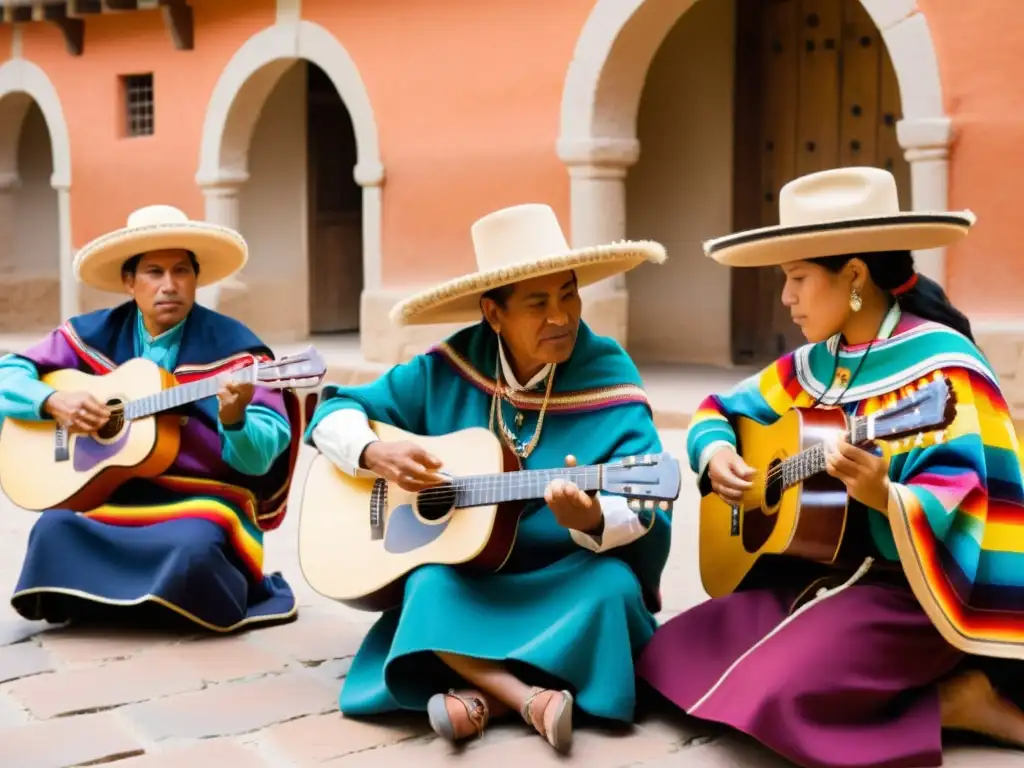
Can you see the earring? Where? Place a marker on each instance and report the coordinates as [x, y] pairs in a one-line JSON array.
[[855, 301]]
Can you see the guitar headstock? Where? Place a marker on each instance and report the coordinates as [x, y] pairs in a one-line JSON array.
[[645, 480], [931, 407], [302, 370]]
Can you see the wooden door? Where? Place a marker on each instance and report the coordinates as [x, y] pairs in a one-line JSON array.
[[815, 89], [334, 210]]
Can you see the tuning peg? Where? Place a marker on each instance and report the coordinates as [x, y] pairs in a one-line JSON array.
[[649, 504], [665, 506], [634, 504], [940, 436]]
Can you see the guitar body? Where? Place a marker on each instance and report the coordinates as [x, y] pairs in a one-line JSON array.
[[806, 520], [349, 555], [39, 471]]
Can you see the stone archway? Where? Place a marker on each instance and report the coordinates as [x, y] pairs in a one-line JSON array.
[[605, 82], [23, 84], [237, 100]]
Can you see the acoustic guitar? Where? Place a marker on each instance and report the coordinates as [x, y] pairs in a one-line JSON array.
[[359, 538], [794, 508], [43, 466]]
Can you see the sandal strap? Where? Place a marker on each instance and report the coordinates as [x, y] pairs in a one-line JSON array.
[[476, 710], [526, 710]]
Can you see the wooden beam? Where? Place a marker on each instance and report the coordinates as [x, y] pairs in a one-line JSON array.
[[76, 8], [119, 5], [72, 29], [178, 20], [15, 14]]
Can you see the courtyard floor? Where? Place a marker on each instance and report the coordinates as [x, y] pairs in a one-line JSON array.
[[268, 699]]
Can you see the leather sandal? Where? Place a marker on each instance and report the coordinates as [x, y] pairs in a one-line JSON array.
[[559, 733], [441, 721]]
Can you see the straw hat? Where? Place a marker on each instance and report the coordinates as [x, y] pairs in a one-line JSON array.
[[516, 244], [220, 251], [836, 212]]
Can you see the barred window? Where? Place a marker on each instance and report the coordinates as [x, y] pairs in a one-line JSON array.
[[138, 103]]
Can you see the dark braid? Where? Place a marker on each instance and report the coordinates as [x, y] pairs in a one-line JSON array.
[[920, 295]]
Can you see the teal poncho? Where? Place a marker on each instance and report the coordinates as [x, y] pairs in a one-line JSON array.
[[557, 614]]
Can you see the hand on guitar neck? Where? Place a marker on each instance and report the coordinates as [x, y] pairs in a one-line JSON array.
[[233, 397], [865, 475]]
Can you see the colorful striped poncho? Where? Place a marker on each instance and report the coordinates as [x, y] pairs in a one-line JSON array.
[[955, 520]]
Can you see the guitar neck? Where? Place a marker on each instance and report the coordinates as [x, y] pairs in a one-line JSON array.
[[811, 461], [175, 397], [524, 485]]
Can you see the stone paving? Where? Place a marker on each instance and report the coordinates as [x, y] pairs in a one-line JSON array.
[[268, 699]]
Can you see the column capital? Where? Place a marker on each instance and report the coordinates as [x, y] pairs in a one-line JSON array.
[[592, 158], [224, 182], [925, 138], [369, 174]]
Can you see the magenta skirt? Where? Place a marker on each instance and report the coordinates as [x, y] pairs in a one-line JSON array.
[[844, 681]]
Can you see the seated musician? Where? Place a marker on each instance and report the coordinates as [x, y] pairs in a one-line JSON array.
[[558, 624], [188, 543], [862, 663]]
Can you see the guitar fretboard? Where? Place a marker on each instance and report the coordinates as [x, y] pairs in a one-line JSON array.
[[483, 490], [175, 397], [811, 461]]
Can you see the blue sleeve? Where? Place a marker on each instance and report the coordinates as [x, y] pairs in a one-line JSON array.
[[253, 448], [21, 392]]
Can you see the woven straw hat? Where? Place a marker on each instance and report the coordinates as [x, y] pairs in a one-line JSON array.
[[836, 212], [516, 244], [220, 251]]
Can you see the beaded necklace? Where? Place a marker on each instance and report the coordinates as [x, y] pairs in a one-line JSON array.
[[513, 442]]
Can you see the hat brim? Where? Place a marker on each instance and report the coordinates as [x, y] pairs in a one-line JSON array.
[[220, 252], [458, 300], [772, 246]]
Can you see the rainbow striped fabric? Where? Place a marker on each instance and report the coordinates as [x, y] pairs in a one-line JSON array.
[[956, 519]]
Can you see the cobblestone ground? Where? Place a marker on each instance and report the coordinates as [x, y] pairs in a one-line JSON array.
[[269, 698]]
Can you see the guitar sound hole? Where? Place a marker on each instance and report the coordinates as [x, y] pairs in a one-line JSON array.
[[434, 503], [115, 424], [773, 486]]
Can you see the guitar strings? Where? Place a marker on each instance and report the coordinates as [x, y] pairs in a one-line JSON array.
[[494, 482]]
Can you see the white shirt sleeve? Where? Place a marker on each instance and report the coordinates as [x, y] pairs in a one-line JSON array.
[[342, 437], [621, 526]]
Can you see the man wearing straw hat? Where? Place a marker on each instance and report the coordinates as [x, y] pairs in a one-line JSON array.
[[189, 543], [558, 624]]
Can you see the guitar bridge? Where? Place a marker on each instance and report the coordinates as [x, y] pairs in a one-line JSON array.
[[378, 505]]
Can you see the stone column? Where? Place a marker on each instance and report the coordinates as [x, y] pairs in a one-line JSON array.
[[370, 176], [9, 184], [70, 300], [597, 192], [222, 207], [925, 143]]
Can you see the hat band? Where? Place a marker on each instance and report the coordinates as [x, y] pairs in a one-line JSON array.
[[731, 241]]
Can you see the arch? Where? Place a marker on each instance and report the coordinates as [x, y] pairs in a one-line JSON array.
[[21, 83], [235, 106], [605, 81]]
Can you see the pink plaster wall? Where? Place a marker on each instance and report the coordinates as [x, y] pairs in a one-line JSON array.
[[467, 96], [111, 174], [979, 51]]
